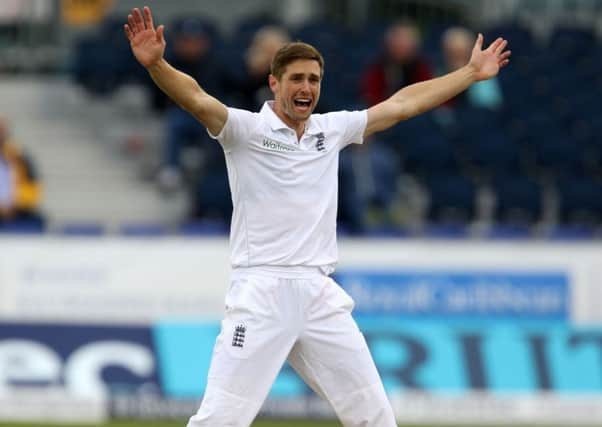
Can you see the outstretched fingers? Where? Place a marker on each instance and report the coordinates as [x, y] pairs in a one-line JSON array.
[[128, 32], [148, 18], [159, 34], [500, 47], [493, 47], [139, 21], [132, 25], [505, 58]]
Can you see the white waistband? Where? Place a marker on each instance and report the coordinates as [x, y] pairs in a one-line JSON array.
[[284, 270]]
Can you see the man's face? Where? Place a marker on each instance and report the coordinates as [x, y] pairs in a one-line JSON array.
[[402, 44], [297, 92]]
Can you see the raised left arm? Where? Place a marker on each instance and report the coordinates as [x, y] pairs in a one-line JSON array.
[[420, 97]]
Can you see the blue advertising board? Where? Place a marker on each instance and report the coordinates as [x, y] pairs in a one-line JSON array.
[[85, 360], [464, 294], [171, 359], [429, 355]]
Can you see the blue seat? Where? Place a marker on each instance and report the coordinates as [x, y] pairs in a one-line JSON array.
[[558, 154], [82, 229], [425, 150], [580, 200], [23, 227], [102, 62], [491, 153], [452, 199], [446, 231], [386, 231], [143, 230], [246, 28], [571, 232], [204, 228], [572, 43], [508, 232], [520, 38], [519, 199]]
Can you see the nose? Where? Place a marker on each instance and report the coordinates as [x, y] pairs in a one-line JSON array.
[[306, 86]]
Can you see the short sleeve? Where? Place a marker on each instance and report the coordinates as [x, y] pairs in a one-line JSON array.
[[354, 125], [236, 130]]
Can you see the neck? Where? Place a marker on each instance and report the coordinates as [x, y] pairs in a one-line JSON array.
[[297, 125]]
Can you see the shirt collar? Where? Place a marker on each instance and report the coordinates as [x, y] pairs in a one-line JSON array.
[[311, 127]]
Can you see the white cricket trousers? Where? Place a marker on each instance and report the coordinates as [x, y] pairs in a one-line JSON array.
[[299, 315]]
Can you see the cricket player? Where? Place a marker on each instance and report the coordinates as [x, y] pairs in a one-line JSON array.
[[282, 165]]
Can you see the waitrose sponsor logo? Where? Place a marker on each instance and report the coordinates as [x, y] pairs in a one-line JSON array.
[[275, 145]]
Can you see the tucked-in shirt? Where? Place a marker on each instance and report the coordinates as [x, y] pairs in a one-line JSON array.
[[284, 190]]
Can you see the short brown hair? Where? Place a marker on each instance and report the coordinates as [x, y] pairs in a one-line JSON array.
[[291, 52]]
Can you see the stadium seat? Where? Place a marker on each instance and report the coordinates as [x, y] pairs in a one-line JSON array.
[[568, 232], [424, 149], [580, 200], [572, 43], [452, 199], [142, 230], [82, 229], [491, 153], [445, 231], [519, 37], [22, 227], [508, 232], [519, 199], [206, 227]]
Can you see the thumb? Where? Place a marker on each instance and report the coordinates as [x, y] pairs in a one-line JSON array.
[[479, 43], [159, 34]]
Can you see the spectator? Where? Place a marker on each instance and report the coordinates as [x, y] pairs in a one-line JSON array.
[[212, 197], [457, 45], [368, 177], [192, 53], [370, 185], [19, 187], [252, 89], [401, 64]]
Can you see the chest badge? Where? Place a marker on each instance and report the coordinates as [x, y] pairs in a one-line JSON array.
[[320, 142]]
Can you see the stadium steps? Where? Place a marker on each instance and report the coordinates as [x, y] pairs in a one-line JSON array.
[[75, 140]]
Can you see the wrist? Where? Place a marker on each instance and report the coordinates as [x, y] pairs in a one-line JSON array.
[[471, 72], [156, 65]]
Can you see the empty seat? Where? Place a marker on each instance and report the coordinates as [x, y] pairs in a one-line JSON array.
[[491, 153], [518, 199], [452, 199], [580, 200]]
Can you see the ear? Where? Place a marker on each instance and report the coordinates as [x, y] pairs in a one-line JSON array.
[[273, 81]]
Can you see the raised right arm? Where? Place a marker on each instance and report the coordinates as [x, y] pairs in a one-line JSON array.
[[148, 46]]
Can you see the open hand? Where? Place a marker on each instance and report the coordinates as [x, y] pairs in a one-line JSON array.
[[487, 63], [148, 44]]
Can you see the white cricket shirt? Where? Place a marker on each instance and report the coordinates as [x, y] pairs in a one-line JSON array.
[[284, 191]]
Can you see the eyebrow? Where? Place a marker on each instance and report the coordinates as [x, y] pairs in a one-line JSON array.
[[311, 75]]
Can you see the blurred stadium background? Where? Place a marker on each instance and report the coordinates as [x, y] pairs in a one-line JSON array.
[[469, 237]]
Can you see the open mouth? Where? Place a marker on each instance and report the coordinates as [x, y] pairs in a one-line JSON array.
[[302, 103]]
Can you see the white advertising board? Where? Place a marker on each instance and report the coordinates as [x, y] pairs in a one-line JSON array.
[[110, 280], [50, 405], [126, 280]]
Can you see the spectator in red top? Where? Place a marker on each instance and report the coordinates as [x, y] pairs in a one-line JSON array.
[[400, 64]]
